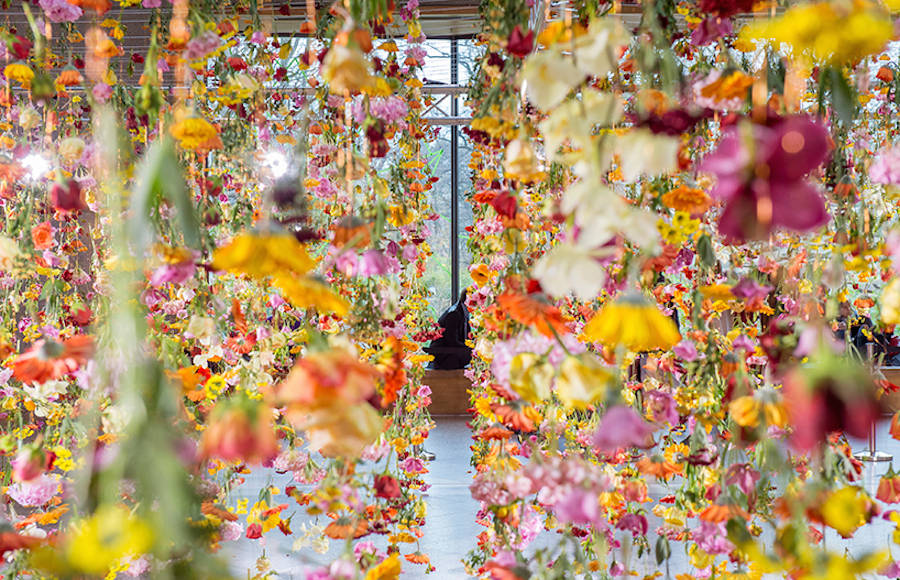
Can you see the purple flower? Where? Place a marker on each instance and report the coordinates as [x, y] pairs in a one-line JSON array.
[[744, 342], [622, 427], [761, 173], [60, 10], [151, 3]]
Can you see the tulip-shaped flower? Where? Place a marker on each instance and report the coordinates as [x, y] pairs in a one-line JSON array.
[[761, 171]]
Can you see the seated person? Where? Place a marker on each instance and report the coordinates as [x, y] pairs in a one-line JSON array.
[[450, 350]]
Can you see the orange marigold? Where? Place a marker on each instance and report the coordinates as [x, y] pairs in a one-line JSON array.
[[687, 199]]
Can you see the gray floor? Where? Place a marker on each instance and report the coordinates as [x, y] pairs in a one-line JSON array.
[[451, 529]]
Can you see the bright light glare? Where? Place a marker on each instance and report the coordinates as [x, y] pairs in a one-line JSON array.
[[37, 165], [277, 162]]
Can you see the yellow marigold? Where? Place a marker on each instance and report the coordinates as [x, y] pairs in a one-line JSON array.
[[836, 33], [193, 133], [633, 322], [21, 73], [687, 199], [717, 292]]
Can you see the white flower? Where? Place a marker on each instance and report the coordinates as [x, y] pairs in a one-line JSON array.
[[597, 53], [47, 391], [575, 119], [549, 77], [313, 535], [29, 118], [200, 327], [643, 153], [570, 268], [70, 149]]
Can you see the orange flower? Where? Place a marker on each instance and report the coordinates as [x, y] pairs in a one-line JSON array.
[[42, 236], [49, 360], [69, 77], [240, 429], [518, 420], [495, 433], [657, 467], [533, 310], [889, 487], [895, 426], [717, 513], [417, 558], [330, 378], [687, 199], [392, 369], [343, 528]]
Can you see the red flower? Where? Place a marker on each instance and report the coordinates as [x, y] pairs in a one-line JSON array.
[[386, 487], [49, 360], [254, 531], [67, 197], [237, 63], [519, 44], [504, 204]]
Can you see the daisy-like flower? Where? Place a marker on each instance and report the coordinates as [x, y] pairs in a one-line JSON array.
[[50, 360]]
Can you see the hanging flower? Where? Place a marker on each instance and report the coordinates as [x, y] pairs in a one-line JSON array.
[[48, 360], [192, 133], [846, 509], [761, 173], [832, 32], [69, 77], [21, 73], [885, 168], [262, 255], [634, 322], [101, 540], [533, 309], [582, 381], [346, 70], [621, 427], [690, 200], [240, 429], [889, 487]]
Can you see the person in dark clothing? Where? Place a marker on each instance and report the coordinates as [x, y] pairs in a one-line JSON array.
[[450, 350]]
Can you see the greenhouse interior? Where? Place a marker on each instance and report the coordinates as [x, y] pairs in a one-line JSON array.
[[494, 289]]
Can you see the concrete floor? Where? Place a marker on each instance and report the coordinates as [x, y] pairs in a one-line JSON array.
[[451, 529]]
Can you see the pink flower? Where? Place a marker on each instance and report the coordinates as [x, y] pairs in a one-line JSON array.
[[102, 92], [712, 538], [202, 45], [60, 10], [34, 493], [580, 507], [662, 407], [622, 427], [885, 169], [634, 523], [686, 351], [743, 476], [763, 185]]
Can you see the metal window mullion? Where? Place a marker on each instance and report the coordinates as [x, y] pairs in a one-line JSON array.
[[454, 175]]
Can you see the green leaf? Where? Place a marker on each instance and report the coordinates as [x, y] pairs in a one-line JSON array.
[[706, 252], [159, 176], [843, 99], [663, 550]]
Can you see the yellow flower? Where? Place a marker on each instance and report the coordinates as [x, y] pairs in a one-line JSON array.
[[346, 70], [745, 411], [845, 510], [388, 569], [633, 322], [263, 255], [828, 31], [307, 292], [890, 302], [194, 133], [20, 73], [110, 534], [530, 377], [582, 381]]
